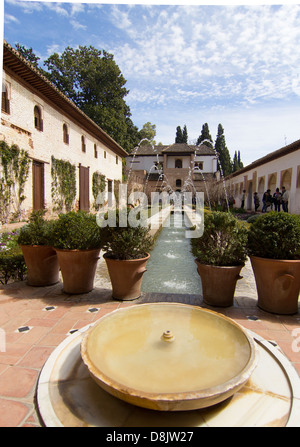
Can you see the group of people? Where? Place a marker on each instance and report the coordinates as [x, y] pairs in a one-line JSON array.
[[278, 199]]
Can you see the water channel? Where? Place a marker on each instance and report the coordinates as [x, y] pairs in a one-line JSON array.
[[171, 267]]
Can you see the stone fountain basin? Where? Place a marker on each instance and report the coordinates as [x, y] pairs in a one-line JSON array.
[[169, 356]]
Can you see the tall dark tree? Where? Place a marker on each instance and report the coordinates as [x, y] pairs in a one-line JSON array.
[[184, 134], [181, 136], [236, 163], [240, 163], [223, 152], [205, 136]]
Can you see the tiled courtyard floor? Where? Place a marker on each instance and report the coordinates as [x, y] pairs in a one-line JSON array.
[[35, 320]]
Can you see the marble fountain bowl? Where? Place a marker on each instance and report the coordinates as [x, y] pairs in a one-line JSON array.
[[169, 356]]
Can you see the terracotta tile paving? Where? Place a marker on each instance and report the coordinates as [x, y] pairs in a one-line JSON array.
[[34, 320]]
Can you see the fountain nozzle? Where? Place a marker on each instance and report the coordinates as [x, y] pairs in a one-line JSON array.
[[168, 336]]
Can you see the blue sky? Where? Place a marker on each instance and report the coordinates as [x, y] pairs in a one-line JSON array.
[[186, 64]]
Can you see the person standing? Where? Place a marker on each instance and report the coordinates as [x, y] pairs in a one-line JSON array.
[[256, 201], [267, 198], [243, 199], [277, 199], [285, 200]]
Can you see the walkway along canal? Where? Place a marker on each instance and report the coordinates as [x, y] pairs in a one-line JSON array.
[[171, 267]]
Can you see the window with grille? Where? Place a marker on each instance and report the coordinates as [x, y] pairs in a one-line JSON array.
[[83, 145], [38, 122], [5, 106], [65, 134]]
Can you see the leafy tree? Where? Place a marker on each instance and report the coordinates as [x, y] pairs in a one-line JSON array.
[[148, 131], [205, 135], [28, 54], [222, 151]]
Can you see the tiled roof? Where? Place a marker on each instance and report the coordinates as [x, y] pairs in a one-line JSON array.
[[176, 148]]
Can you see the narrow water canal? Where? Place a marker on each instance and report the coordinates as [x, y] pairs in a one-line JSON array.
[[171, 267]]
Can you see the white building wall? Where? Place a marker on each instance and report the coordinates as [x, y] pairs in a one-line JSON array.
[[143, 162], [17, 127], [147, 162], [283, 171]]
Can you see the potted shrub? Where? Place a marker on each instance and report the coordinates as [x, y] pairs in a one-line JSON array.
[[77, 241], [220, 255], [126, 255], [274, 250], [40, 258]]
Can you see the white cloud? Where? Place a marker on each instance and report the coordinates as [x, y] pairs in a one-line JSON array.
[[56, 7], [248, 52], [10, 19]]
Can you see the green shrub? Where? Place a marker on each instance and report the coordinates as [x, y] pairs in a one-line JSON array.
[[12, 263], [76, 231], [38, 231], [223, 242], [276, 236], [126, 242]]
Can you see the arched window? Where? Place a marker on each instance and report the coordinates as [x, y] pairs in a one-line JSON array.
[[199, 164], [5, 101], [38, 122], [178, 163], [83, 146], [65, 134]]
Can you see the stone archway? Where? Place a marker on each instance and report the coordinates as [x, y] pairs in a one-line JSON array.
[[272, 183], [261, 185], [286, 179]]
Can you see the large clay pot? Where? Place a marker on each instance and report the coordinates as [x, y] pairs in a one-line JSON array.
[[42, 265], [218, 283], [126, 277], [78, 268], [277, 283]]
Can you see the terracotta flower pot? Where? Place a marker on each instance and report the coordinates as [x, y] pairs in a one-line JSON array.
[[126, 277], [42, 265], [218, 283], [78, 268], [277, 283]]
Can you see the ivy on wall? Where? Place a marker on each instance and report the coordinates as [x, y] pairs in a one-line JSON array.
[[14, 171], [63, 186], [98, 186], [116, 190]]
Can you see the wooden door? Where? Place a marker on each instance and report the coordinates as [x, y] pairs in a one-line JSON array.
[[38, 185], [84, 188]]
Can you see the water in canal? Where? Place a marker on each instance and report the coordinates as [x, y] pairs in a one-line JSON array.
[[171, 267]]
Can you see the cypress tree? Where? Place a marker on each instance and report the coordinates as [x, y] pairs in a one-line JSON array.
[[205, 135], [223, 152], [179, 137], [240, 164], [184, 134]]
